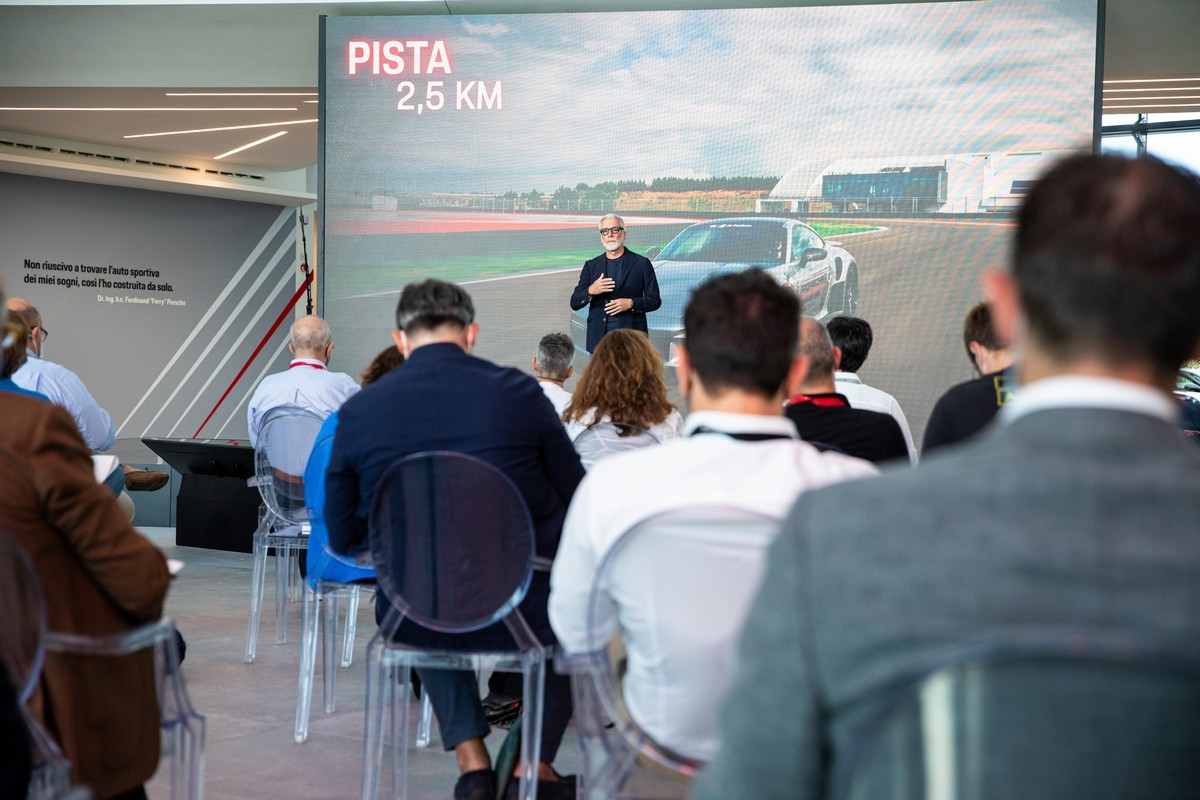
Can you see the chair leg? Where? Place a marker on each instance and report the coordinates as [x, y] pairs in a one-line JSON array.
[[308, 658], [531, 740], [282, 573], [256, 595], [425, 720], [329, 640], [351, 626], [373, 725]]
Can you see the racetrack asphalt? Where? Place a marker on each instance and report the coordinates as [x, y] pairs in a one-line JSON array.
[[917, 280]]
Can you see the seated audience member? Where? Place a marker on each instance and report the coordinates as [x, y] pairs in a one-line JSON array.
[[64, 388], [822, 415], [320, 565], [1075, 511], [623, 383], [16, 764], [852, 338], [99, 577], [446, 399], [739, 451], [307, 384], [14, 336], [552, 366], [965, 409]]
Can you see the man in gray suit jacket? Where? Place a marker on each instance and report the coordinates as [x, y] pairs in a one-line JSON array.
[[1077, 511]]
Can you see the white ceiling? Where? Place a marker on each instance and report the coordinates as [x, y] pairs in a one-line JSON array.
[[130, 56]]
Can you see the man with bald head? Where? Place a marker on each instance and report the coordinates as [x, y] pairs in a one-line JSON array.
[[824, 416], [308, 384]]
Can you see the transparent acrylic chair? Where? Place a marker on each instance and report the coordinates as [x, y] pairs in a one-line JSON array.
[[183, 729], [606, 439], [23, 650], [679, 640], [282, 450], [436, 517], [321, 600], [1036, 716]]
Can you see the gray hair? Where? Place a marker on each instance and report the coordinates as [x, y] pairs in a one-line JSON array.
[[612, 216], [310, 334], [817, 347], [554, 356]]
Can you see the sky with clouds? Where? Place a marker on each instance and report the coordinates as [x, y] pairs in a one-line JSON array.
[[608, 96]]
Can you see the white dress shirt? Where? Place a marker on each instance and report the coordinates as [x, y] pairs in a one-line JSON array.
[[557, 394], [307, 384], [669, 428], [1085, 391], [64, 388], [707, 468], [860, 395]]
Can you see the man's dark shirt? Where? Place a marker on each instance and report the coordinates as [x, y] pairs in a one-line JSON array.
[[965, 409], [829, 419]]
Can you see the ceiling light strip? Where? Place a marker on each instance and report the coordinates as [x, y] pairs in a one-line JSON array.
[[248, 146], [1192, 88], [225, 128], [1158, 97], [1139, 106], [1151, 80], [156, 108], [240, 94]]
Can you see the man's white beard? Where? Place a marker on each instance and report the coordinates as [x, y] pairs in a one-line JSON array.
[[611, 246]]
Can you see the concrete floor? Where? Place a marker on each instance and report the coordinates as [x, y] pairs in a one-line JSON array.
[[250, 708]]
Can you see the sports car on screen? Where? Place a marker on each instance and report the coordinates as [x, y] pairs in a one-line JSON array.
[[822, 274]]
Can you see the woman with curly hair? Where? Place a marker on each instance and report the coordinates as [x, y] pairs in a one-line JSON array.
[[623, 383]]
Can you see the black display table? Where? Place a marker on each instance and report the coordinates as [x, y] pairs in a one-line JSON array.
[[215, 507]]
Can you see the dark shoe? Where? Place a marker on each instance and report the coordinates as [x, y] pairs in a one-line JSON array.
[[479, 784], [501, 710], [561, 789], [145, 480]]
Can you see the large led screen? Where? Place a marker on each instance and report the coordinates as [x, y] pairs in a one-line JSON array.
[[897, 138]]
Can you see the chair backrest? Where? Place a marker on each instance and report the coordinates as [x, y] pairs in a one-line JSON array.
[[280, 454], [678, 585], [452, 541], [23, 620], [606, 439], [1052, 716]]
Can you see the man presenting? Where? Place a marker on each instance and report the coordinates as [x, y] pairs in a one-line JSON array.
[[1075, 511], [618, 286]]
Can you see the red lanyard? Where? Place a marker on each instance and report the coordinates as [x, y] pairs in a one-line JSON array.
[[306, 364], [823, 401]]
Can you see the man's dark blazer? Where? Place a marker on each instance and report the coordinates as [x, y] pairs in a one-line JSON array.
[[1062, 519], [855, 431], [441, 398], [637, 282]]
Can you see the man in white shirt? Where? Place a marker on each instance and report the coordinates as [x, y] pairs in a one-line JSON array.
[[739, 451], [1070, 518], [308, 384], [552, 366], [852, 339], [64, 388]]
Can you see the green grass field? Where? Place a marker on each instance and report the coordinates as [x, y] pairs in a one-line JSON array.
[[397, 272]]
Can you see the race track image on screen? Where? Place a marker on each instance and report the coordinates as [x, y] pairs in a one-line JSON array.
[[868, 157]]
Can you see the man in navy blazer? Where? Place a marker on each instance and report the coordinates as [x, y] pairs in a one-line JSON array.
[[618, 286], [447, 399]]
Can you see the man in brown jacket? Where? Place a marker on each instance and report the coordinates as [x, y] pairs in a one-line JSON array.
[[99, 577]]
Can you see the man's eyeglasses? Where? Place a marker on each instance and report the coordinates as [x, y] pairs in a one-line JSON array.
[[613, 230], [42, 334]]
